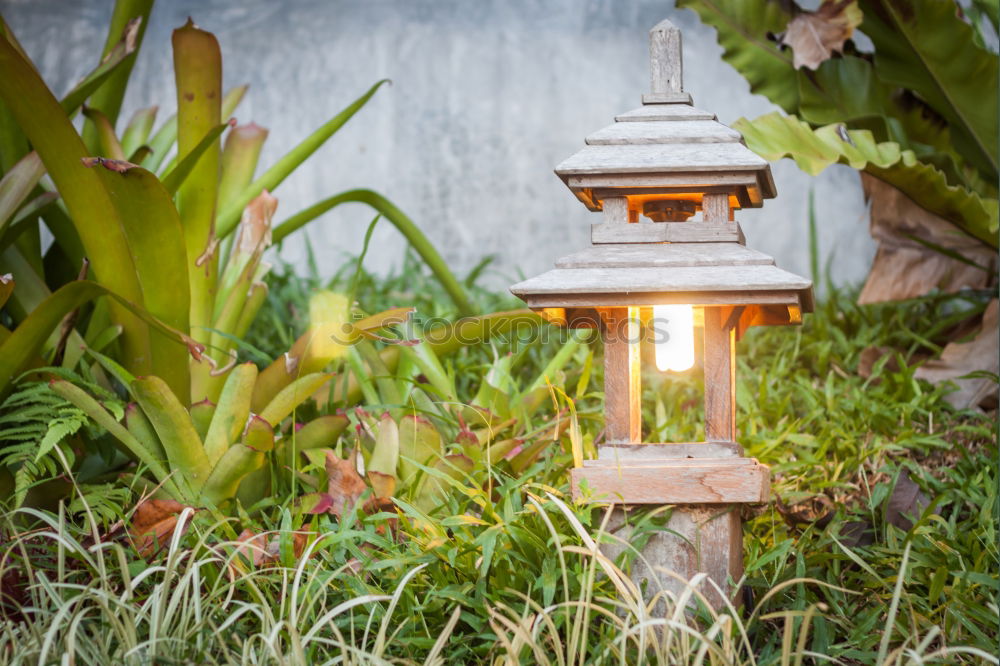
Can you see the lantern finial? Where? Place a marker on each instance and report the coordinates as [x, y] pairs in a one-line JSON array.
[[666, 66]]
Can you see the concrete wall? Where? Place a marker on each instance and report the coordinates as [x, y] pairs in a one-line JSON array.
[[487, 97]]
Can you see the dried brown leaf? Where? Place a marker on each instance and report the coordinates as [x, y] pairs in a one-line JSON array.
[[153, 524], [906, 502], [903, 267], [345, 485], [962, 358], [814, 36]]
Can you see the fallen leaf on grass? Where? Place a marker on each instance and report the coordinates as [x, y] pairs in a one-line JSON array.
[[153, 525], [905, 264], [906, 502], [817, 509], [814, 36], [263, 550], [345, 485], [964, 358]]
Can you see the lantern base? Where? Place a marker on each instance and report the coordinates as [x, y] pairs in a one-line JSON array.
[[647, 480], [696, 539]]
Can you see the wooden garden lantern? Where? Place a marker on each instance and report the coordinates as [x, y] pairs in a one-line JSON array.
[[668, 177]]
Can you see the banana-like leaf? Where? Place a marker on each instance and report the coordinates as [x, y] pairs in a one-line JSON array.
[[840, 90], [239, 161], [107, 142], [743, 27], [230, 215], [175, 429], [418, 241], [290, 397], [128, 15], [232, 411], [138, 130], [774, 136], [924, 46], [179, 172]]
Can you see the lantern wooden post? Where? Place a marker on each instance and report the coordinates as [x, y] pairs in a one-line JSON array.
[[668, 161]]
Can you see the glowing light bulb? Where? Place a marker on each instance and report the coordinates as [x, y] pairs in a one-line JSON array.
[[674, 337]]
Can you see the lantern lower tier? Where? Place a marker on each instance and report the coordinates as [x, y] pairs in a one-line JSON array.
[[680, 481], [647, 274]]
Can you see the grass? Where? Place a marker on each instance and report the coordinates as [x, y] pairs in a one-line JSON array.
[[511, 572]]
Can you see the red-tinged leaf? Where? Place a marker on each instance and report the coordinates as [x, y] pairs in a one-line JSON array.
[[118, 166], [153, 525], [315, 503], [239, 161], [345, 484], [383, 485]]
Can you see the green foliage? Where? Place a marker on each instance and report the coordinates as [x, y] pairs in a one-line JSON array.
[[919, 113]]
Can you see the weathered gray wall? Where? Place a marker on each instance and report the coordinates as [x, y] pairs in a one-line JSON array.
[[487, 97]]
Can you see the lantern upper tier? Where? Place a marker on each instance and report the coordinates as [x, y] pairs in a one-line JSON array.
[[667, 146]]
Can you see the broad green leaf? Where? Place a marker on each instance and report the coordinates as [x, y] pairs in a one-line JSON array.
[[175, 429], [156, 241], [232, 411], [142, 429], [91, 207], [118, 54], [107, 143], [16, 185], [201, 415], [385, 454], [290, 397], [237, 462], [418, 241], [924, 46], [108, 97], [743, 27], [774, 136], [229, 216], [198, 76], [239, 161], [138, 129], [419, 444], [103, 418], [443, 473], [174, 178]]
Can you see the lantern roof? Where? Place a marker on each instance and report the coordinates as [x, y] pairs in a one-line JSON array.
[[667, 143], [669, 161]]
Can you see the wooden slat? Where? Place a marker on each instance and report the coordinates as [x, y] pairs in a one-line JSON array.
[[682, 157], [616, 211], [663, 133], [720, 377], [715, 209], [667, 232], [666, 64], [664, 112], [610, 300], [688, 180], [675, 484], [622, 376], [664, 256], [629, 453]]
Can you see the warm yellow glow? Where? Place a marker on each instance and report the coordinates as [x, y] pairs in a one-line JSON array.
[[674, 337]]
